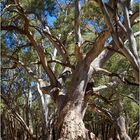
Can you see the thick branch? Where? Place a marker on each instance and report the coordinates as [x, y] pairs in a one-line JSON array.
[[43, 60], [40, 51], [119, 43], [13, 28], [106, 54], [77, 23], [98, 46], [61, 63], [131, 38]]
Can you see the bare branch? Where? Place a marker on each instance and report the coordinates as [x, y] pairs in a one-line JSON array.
[[61, 63], [13, 28], [57, 44], [131, 39], [123, 79], [136, 34], [78, 37], [119, 43], [43, 59], [102, 111], [17, 62], [98, 46], [77, 23], [133, 17], [39, 49]]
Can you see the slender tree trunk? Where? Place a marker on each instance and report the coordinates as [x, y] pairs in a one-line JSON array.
[[54, 57], [44, 101], [29, 110], [122, 129], [121, 121]]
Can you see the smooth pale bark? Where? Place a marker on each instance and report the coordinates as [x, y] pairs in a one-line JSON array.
[[120, 121], [128, 54], [53, 57], [77, 25], [122, 128], [29, 111], [78, 36], [44, 101], [131, 38]]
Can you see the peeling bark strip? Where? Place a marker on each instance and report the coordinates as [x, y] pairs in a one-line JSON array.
[[29, 110]]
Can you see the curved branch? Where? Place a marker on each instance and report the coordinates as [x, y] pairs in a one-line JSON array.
[[123, 79], [98, 46], [106, 54], [17, 62], [39, 49], [13, 28], [128, 54], [131, 38], [102, 111], [61, 63], [43, 59], [57, 44]]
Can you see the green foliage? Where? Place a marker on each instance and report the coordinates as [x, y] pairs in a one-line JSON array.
[[136, 5], [131, 108], [2, 106], [39, 7], [92, 11]]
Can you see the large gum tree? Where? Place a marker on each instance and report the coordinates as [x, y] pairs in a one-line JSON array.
[[70, 61]]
